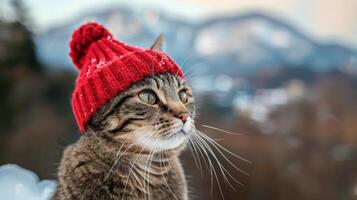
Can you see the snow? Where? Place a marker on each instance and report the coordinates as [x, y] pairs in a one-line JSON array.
[[17, 183]]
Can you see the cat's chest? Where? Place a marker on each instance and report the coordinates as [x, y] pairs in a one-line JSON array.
[[140, 184], [167, 186]]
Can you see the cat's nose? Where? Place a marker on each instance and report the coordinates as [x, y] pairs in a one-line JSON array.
[[183, 117]]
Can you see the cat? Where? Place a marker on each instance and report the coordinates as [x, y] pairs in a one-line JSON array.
[[131, 145]]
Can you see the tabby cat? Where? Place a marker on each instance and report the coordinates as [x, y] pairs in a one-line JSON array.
[[131, 145]]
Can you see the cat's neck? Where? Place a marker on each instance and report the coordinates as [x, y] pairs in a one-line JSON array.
[[110, 152]]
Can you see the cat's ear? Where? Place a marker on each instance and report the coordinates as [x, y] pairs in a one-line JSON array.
[[159, 43]]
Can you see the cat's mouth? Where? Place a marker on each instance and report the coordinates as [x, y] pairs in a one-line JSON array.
[[188, 126], [184, 132], [175, 137], [185, 129], [178, 133]]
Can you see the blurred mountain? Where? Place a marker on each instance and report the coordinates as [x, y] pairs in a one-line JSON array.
[[230, 45]]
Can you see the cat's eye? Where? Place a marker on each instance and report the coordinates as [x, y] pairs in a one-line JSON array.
[[148, 97], [183, 96]]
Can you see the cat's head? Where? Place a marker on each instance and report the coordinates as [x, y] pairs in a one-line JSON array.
[[155, 114]]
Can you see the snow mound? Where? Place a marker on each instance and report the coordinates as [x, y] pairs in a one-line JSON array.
[[17, 183]]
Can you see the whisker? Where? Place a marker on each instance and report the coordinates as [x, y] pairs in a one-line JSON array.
[[214, 171], [221, 130], [224, 149], [120, 155], [184, 61], [187, 75], [116, 161], [199, 147], [223, 169], [195, 155], [148, 167], [163, 175], [132, 166], [230, 162], [147, 177], [194, 140]]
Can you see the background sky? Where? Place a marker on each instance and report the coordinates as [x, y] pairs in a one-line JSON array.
[[323, 19]]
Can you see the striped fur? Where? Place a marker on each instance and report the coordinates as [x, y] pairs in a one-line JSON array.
[[130, 149]]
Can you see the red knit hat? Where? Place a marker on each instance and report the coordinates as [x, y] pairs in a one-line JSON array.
[[108, 67]]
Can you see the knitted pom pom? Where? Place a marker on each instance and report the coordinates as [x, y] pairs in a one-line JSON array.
[[82, 38]]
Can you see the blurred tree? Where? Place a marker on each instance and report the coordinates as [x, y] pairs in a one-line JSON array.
[[21, 13], [34, 105], [17, 55]]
